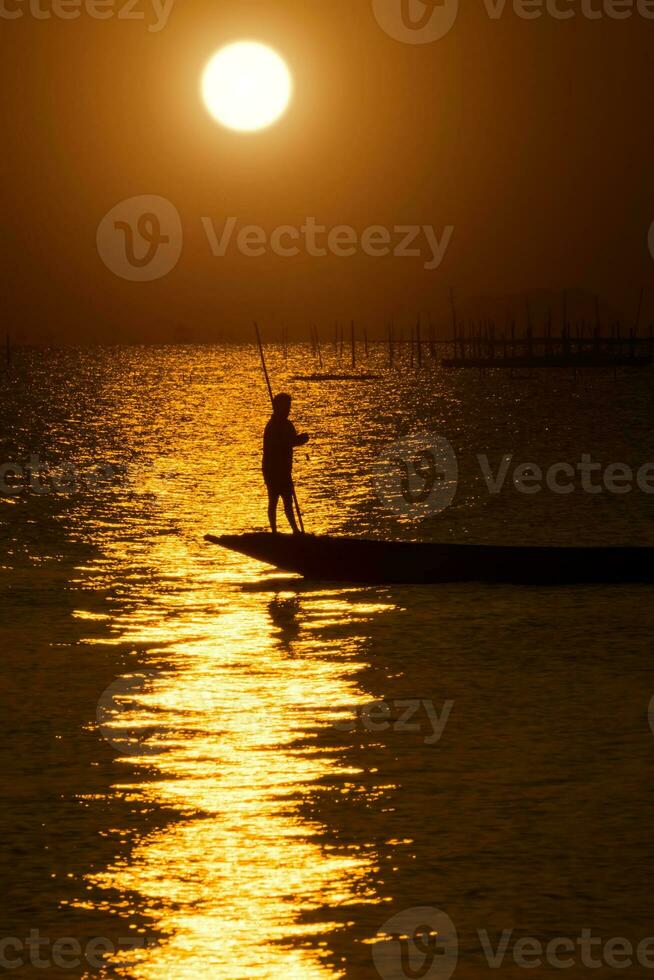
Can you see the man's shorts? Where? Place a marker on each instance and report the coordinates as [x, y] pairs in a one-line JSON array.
[[281, 485]]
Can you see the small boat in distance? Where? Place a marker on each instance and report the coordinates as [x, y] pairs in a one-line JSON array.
[[363, 561], [335, 377]]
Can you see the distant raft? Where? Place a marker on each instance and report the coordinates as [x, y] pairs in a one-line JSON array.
[[359, 560], [335, 377]]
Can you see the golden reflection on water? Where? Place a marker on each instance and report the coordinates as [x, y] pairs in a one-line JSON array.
[[267, 848], [228, 883], [223, 719]]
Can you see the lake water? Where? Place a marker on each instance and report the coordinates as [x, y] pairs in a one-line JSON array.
[[241, 775]]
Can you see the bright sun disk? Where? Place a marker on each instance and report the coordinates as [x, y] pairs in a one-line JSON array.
[[246, 86]]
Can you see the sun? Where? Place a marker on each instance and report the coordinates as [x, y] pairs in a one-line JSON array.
[[246, 86]]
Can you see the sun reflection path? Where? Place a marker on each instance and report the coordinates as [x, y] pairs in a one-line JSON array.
[[230, 884], [220, 721]]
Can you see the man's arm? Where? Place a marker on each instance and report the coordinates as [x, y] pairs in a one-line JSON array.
[[297, 440]]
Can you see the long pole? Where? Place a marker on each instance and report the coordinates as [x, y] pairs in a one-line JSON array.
[[317, 343], [455, 330], [263, 362], [640, 309], [270, 392]]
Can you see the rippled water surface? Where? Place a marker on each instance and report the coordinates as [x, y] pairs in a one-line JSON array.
[[190, 753]]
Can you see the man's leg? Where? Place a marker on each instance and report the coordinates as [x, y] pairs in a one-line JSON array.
[[289, 511], [273, 498]]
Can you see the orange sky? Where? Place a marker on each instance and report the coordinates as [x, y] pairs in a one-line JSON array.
[[529, 138]]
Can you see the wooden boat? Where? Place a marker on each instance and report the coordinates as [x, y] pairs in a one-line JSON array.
[[325, 558], [554, 361], [335, 377]]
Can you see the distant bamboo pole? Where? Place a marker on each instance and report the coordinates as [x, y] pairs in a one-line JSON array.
[[458, 329], [353, 343], [419, 342], [640, 309], [317, 343]]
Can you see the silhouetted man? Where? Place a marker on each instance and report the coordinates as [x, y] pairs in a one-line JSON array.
[[279, 440]]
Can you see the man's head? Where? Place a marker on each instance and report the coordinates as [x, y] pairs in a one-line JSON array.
[[282, 405]]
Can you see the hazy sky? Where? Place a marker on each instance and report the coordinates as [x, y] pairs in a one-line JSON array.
[[523, 146]]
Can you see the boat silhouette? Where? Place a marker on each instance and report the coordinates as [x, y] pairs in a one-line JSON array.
[[365, 561]]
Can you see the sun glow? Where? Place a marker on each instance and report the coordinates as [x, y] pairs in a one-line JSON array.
[[246, 86]]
